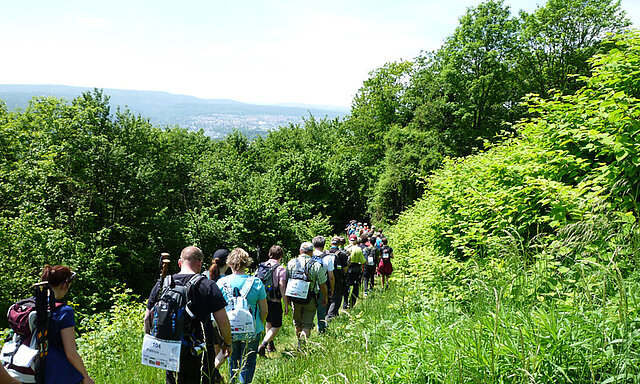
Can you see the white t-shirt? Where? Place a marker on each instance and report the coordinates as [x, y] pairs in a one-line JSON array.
[[327, 261]]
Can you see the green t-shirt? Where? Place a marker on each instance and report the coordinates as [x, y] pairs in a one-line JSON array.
[[355, 255]]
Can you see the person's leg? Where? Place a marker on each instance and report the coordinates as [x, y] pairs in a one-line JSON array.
[[249, 360], [274, 322], [366, 281], [354, 294], [345, 295], [336, 302], [190, 368], [270, 334], [306, 324], [235, 360], [170, 377], [208, 364], [322, 315]]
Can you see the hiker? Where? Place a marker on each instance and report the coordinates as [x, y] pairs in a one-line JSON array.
[[218, 266], [63, 365], [211, 374], [207, 301], [327, 262], [371, 256], [384, 266], [242, 363], [274, 299], [354, 272], [5, 378], [305, 277], [340, 264]]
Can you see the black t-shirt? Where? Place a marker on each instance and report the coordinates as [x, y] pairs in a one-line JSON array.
[[386, 253], [207, 297]]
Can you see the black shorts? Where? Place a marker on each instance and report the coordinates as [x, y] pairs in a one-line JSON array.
[[274, 316]]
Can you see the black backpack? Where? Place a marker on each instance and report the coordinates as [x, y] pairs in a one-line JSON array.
[[265, 274], [173, 316], [341, 259]]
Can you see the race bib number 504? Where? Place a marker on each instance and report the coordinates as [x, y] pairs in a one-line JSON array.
[[164, 354]]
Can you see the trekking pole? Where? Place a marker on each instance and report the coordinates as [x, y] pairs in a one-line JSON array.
[[163, 264], [43, 303]]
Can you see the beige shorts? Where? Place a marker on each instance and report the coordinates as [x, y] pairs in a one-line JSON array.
[[303, 314]]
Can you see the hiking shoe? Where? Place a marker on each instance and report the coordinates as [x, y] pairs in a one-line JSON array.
[[262, 350], [271, 347]]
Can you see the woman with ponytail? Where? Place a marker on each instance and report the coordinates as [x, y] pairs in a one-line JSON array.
[[210, 374], [64, 365]]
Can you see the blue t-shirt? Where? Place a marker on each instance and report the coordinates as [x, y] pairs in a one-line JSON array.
[[256, 293], [58, 369]]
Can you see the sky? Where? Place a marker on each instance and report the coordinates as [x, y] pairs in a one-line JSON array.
[[254, 51]]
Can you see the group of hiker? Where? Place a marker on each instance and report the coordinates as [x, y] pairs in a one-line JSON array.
[[195, 321]]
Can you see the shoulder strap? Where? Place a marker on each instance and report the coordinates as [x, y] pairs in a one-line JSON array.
[[298, 264], [191, 284], [246, 287]]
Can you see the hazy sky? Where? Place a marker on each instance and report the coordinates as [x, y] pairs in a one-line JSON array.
[[268, 51]]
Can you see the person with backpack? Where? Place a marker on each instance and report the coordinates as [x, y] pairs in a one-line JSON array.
[[326, 259], [247, 312], [340, 264], [197, 295], [354, 272], [211, 374], [63, 363], [384, 266], [370, 253], [305, 278], [274, 278]]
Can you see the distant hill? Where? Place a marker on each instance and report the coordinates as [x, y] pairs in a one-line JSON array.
[[216, 117]]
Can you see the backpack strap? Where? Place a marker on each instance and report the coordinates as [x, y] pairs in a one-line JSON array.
[[168, 282], [246, 287], [190, 286]]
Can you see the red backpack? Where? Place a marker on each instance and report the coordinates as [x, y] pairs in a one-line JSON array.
[[23, 320]]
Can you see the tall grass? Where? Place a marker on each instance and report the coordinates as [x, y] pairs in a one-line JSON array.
[[563, 309]]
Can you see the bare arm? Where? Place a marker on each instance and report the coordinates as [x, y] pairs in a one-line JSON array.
[[283, 290], [68, 336], [147, 321], [262, 306], [5, 378], [225, 329], [325, 297]]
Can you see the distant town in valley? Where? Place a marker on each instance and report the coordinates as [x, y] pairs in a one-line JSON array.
[[215, 117]]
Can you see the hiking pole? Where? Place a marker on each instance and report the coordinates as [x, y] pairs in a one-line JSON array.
[[43, 303], [164, 265]]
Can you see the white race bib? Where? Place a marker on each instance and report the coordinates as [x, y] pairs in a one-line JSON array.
[[370, 260], [297, 288], [163, 354]]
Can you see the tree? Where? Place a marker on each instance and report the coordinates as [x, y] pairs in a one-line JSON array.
[[556, 40]]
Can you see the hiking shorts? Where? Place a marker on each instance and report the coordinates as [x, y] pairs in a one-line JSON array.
[[274, 316], [303, 314]]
